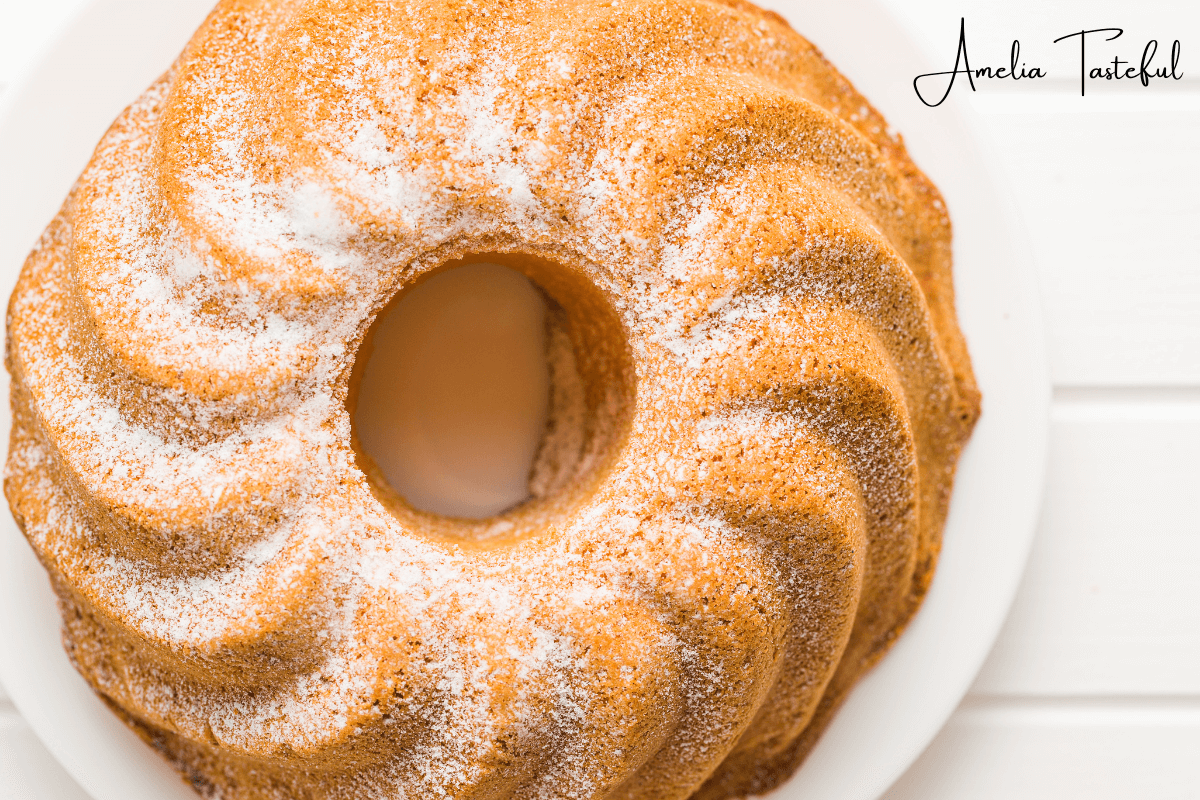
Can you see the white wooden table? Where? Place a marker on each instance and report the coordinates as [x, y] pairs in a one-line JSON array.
[[1093, 688]]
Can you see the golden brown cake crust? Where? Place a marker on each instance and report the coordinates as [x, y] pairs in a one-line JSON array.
[[755, 282]]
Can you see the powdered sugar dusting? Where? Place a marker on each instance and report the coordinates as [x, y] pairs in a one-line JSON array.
[[753, 524]]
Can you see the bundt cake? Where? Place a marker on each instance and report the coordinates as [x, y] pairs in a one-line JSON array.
[[759, 396]]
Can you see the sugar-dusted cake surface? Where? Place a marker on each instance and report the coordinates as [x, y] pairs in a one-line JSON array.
[[760, 394]]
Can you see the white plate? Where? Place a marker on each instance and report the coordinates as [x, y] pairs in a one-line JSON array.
[[115, 48]]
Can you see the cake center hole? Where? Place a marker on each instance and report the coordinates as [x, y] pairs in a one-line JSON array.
[[453, 400]]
